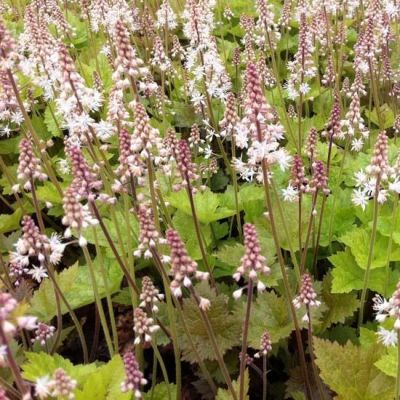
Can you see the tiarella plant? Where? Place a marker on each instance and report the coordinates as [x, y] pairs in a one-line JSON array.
[[199, 199]]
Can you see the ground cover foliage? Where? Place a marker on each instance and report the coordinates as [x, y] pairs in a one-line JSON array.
[[199, 199]]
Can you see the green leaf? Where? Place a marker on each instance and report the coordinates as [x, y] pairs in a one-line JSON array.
[[340, 213], [40, 128], [230, 254], [51, 123], [10, 222], [269, 311], [359, 240], [252, 200], [77, 287], [48, 192], [290, 221], [339, 306], [388, 362], [348, 276], [207, 203], [225, 394], [105, 383], [227, 329], [41, 364], [128, 229], [9, 146], [185, 226], [387, 116], [161, 392], [350, 372]]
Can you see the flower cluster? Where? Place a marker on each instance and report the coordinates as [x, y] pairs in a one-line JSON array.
[[388, 309], [29, 168], [35, 245], [183, 268], [307, 295], [149, 237], [252, 263], [379, 178], [260, 130], [144, 326], [150, 295], [134, 377], [265, 345], [60, 385]]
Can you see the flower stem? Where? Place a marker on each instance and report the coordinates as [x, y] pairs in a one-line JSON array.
[[172, 321], [198, 232], [285, 278], [113, 248], [370, 253], [245, 332], [99, 305], [398, 367], [107, 290], [214, 344], [310, 224], [312, 356], [12, 363], [264, 378], [163, 368], [390, 244]]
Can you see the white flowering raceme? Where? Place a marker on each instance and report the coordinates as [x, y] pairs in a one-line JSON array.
[[378, 178], [166, 17]]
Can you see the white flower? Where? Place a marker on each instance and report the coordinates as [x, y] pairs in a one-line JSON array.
[[42, 387], [3, 355], [105, 50], [204, 304], [360, 198], [382, 307], [237, 294], [29, 323], [360, 178], [207, 152], [17, 118], [63, 167], [82, 241], [357, 145], [104, 130], [388, 338], [290, 194], [241, 136], [304, 88], [395, 186], [57, 248], [5, 131], [382, 196], [38, 273]]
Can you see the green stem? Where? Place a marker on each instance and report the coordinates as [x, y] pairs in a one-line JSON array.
[[172, 320], [198, 231], [72, 314], [113, 248], [99, 255], [390, 244], [163, 368]]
